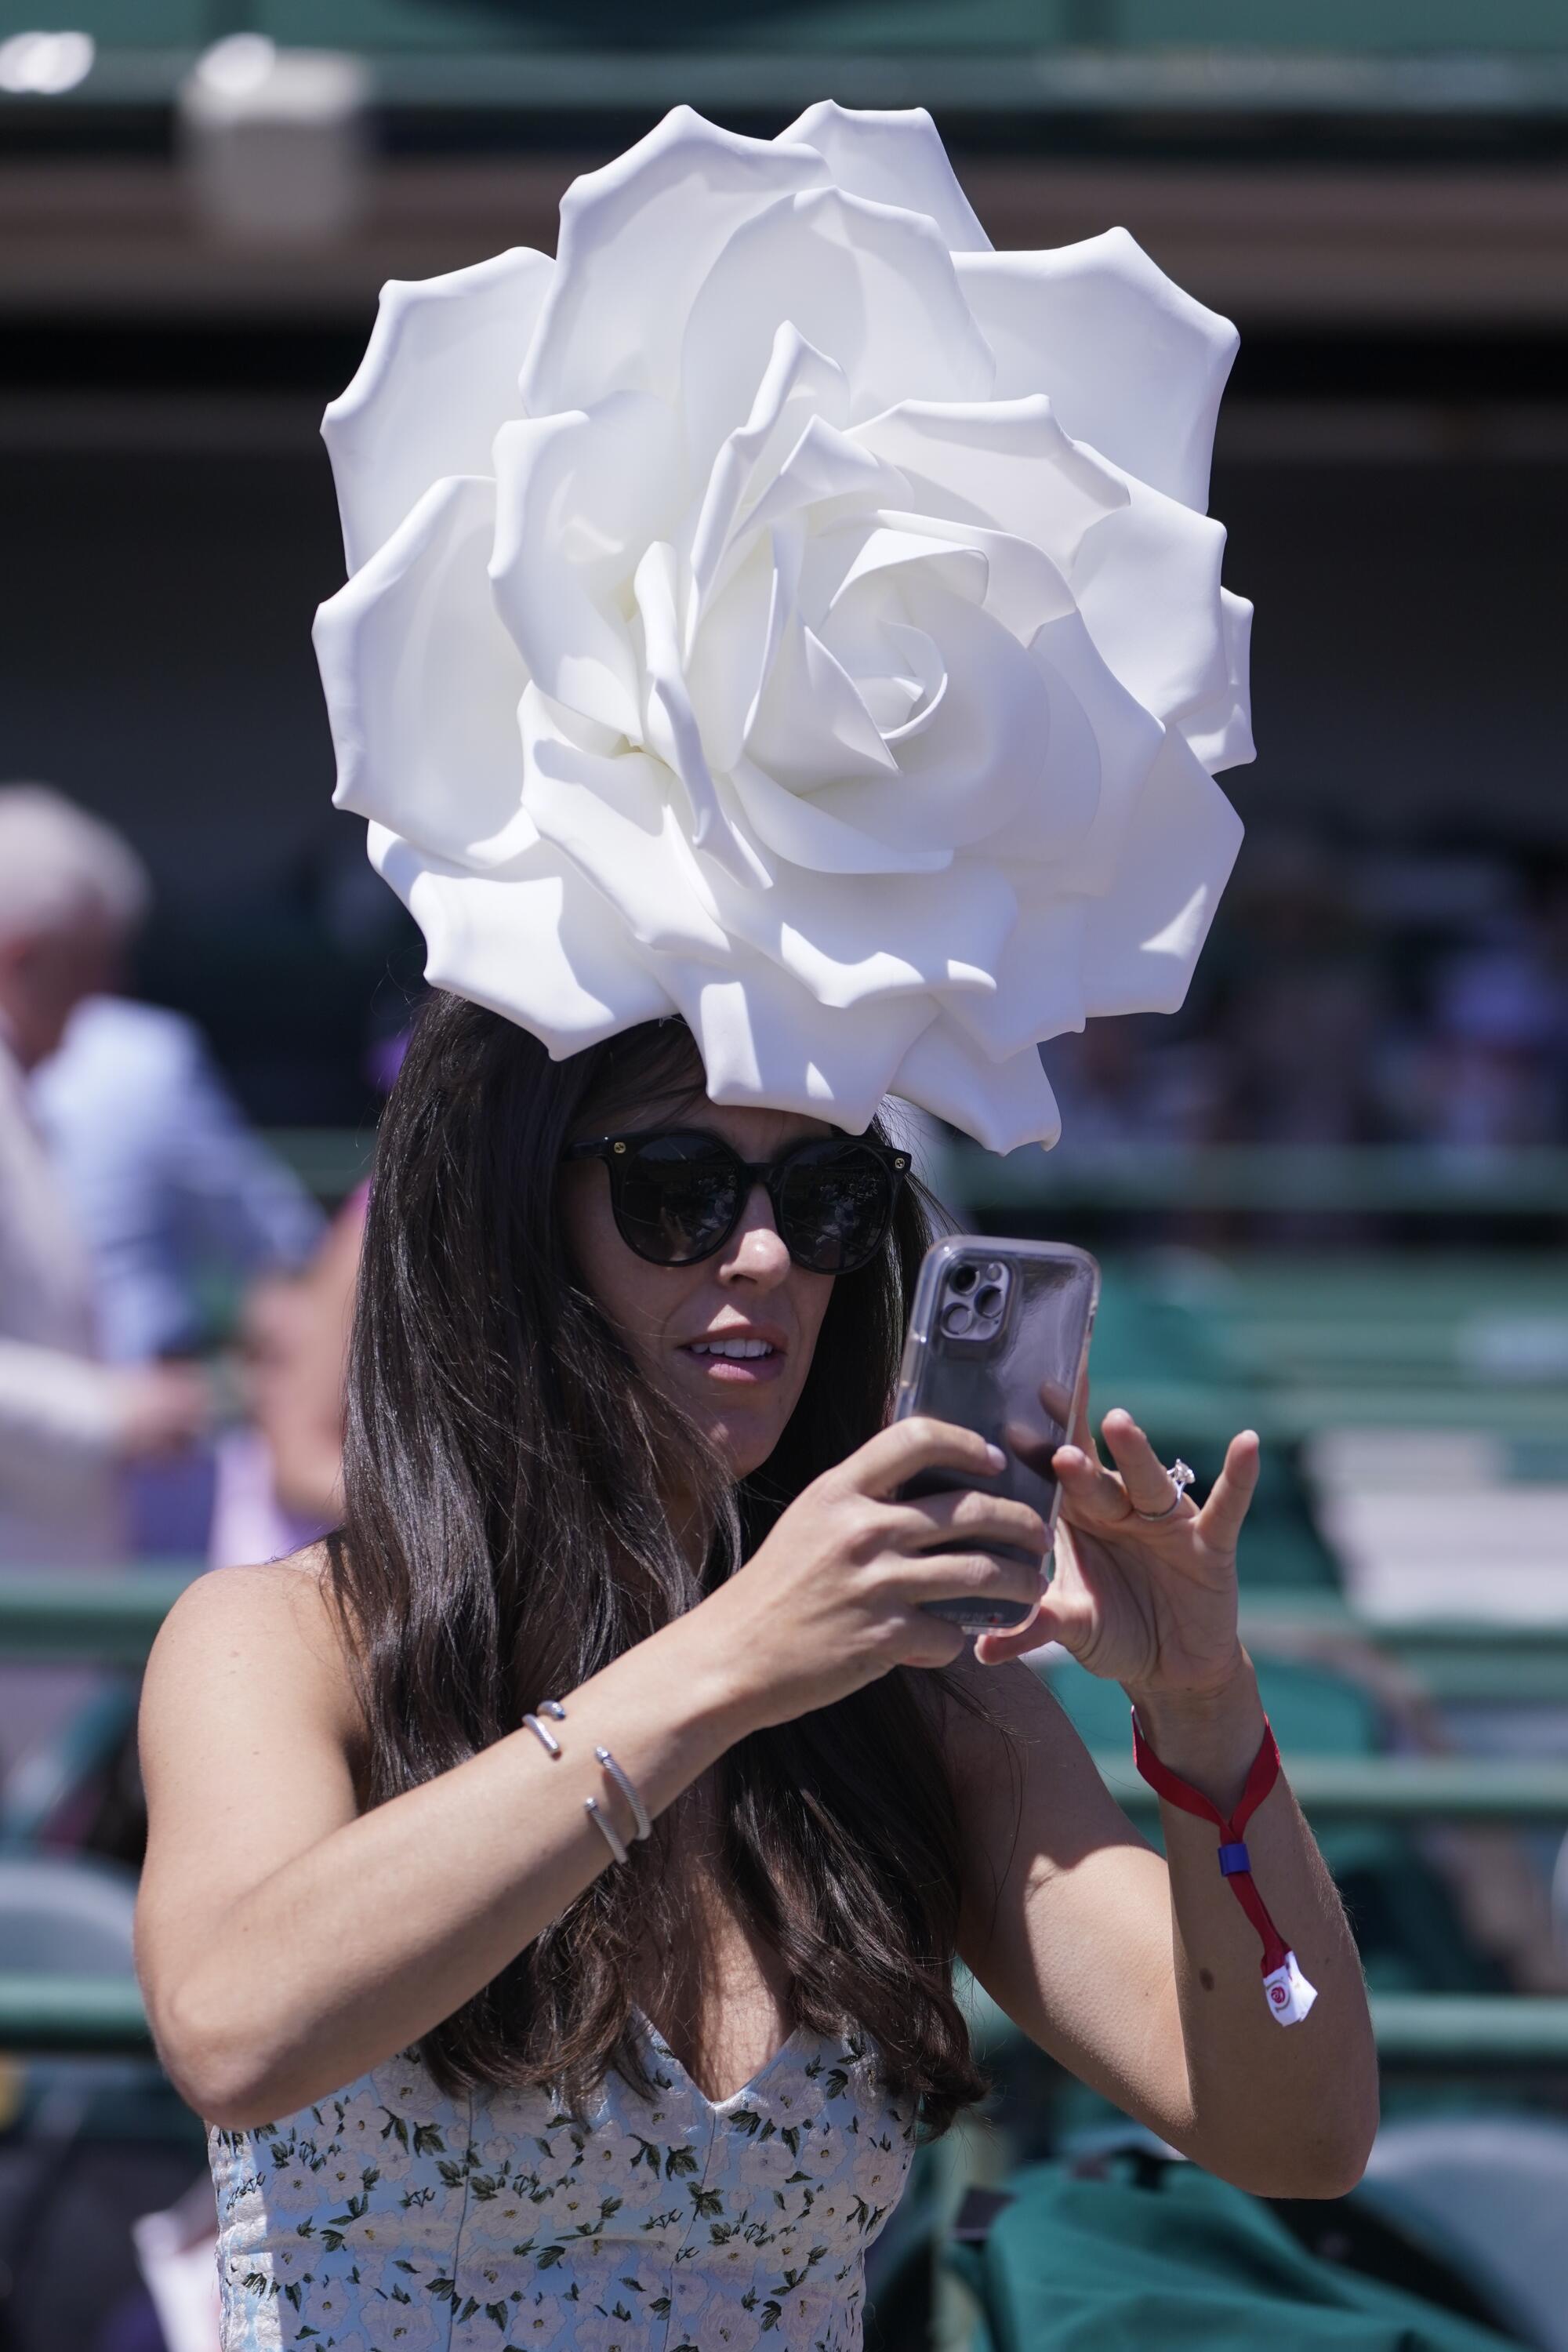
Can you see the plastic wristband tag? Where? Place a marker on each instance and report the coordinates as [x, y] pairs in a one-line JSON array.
[[1289, 1994]]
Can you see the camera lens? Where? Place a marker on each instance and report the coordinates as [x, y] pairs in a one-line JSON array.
[[988, 1302], [956, 1319], [964, 1278]]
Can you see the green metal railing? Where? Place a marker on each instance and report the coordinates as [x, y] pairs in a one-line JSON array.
[[1365, 1179], [1481, 2032], [1468, 1788], [90, 2016], [115, 1617]]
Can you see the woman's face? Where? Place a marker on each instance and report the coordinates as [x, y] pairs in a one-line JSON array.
[[750, 1289]]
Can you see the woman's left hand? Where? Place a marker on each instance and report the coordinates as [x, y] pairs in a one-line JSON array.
[[1147, 1602]]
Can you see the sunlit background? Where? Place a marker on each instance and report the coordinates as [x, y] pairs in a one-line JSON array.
[[1330, 1196]]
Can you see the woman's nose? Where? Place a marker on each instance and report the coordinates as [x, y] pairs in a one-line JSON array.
[[755, 1251]]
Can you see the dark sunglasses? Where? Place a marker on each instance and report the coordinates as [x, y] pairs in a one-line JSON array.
[[678, 1195]]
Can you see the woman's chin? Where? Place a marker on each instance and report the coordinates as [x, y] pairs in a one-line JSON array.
[[744, 1443]]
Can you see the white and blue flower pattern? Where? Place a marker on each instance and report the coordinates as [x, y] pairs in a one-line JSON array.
[[390, 2217]]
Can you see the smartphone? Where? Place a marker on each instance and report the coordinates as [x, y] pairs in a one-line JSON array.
[[998, 1341]]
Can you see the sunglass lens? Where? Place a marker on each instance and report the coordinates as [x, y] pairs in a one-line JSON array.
[[835, 1200], [678, 1198]]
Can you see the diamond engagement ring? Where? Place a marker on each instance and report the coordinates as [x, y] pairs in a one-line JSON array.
[[1181, 1478]]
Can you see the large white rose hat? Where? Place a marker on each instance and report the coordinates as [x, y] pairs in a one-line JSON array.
[[783, 609]]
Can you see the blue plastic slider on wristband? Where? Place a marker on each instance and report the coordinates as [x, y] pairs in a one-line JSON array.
[[1233, 1860]]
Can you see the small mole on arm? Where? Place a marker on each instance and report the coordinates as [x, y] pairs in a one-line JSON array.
[[1206, 1979]]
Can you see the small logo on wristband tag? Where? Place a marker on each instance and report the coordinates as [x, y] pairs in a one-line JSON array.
[[1289, 1994]]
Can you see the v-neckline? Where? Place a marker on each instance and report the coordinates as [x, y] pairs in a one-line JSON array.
[[716, 2106]]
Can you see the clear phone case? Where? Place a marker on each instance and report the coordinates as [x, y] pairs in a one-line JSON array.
[[998, 1340]]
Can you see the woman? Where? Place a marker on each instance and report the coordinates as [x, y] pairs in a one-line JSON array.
[[617, 1441]]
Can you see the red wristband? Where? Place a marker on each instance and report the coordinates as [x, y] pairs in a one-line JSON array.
[[1289, 1994]]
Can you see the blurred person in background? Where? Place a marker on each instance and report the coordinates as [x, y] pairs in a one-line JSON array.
[[278, 1475], [167, 1183], [71, 893], [175, 1196], [279, 1472]]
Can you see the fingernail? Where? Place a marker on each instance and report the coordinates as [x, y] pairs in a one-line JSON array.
[[996, 1458]]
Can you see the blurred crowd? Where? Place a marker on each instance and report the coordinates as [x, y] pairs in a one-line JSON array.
[[139, 1213], [1347, 997], [1417, 997]]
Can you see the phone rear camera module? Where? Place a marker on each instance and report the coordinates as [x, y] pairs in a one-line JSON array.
[[964, 1278], [957, 1319]]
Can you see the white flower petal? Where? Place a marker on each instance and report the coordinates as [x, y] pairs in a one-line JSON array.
[[1001, 1104], [798, 385], [811, 727], [806, 832], [943, 935], [1095, 722], [894, 159], [1167, 644], [732, 650], [985, 758], [669, 726], [825, 470], [1022, 587], [437, 380], [1133, 365], [638, 239], [871, 286], [1005, 464], [1040, 981], [579, 499], [765, 1039], [423, 685], [1220, 729], [1182, 837], [614, 816], [535, 948]]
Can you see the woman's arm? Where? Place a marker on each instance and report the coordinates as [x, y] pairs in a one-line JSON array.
[[286, 1945], [1144, 1979]]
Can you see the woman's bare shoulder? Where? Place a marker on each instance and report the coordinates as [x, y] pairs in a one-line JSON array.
[[273, 1628]]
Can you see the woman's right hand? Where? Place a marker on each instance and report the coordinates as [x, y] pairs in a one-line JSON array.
[[832, 1599]]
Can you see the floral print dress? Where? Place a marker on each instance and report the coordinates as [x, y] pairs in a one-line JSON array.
[[390, 2218]]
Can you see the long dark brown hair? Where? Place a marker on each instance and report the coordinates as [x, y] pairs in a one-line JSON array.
[[503, 1540]]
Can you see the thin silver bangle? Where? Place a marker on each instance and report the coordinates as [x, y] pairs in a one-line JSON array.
[[611, 1835], [547, 1739], [624, 1782]]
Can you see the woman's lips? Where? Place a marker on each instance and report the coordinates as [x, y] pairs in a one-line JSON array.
[[735, 1371]]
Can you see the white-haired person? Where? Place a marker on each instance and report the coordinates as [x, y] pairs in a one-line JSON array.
[[71, 891]]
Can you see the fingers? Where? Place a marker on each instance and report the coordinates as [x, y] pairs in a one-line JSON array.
[[973, 1518], [970, 1575], [1092, 1494], [906, 1447], [996, 1649], [1146, 1481], [1080, 1434], [1231, 1495]]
